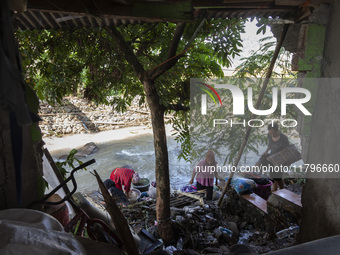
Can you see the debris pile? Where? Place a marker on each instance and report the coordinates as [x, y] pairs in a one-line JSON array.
[[232, 228]]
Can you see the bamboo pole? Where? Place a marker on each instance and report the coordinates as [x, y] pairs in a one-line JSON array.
[[258, 103]]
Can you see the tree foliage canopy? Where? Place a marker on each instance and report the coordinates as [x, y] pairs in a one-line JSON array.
[[88, 61]]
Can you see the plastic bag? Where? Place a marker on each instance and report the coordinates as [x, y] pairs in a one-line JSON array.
[[242, 185]]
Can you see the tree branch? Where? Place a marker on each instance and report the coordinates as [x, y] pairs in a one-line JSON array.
[[172, 58], [130, 57], [178, 107], [195, 34], [176, 39]]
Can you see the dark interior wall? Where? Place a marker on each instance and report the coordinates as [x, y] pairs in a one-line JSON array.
[[31, 167], [20, 138]]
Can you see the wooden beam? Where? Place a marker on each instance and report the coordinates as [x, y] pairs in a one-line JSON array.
[[47, 19], [302, 3], [258, 2], [231, 4]]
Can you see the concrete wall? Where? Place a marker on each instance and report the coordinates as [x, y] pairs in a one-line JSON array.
[[321, 197]]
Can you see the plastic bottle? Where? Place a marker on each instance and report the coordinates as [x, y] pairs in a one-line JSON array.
[[190, 209], [227, 231], [180, 244], [282, 233], [293, 230], [287, 232]]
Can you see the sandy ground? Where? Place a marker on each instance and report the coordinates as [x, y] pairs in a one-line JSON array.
[[54, 143], [68, 142]]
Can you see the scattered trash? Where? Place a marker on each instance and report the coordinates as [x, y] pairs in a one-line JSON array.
[[242, 185], [148, 242], [170, 249], [244, 236], [189, 188], [180, 244], [288, 232], [152, 192], [209, 227], [144, 194], [227, 231], [191, 209]]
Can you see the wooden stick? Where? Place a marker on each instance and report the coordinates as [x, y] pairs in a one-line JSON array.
[[118, 219], [258, 103]]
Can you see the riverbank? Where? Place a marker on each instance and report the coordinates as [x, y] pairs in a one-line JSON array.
[[80, 116], [67, 142]]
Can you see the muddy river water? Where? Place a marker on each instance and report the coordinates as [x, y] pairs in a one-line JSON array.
[[134, 147]]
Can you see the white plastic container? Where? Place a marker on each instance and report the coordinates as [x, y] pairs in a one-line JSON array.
[[134, 195]]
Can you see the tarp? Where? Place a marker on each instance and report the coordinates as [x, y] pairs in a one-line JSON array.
[[31, 232]]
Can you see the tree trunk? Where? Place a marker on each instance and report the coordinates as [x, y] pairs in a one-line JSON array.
[[159, 135], [162, 162]]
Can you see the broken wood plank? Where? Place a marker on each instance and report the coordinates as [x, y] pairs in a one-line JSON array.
[[256, 200], [285, 200], [179, 201], [289, 196], [189, 194]]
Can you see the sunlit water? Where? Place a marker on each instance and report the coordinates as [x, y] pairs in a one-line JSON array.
[[138, 152]]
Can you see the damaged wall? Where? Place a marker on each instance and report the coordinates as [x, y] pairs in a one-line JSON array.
[[320, 197], [317, 56]]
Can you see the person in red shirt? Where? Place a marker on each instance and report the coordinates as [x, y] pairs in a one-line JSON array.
[[124, 176]]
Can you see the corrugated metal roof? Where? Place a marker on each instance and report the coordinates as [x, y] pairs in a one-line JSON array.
[[55, 14], [59, 20]]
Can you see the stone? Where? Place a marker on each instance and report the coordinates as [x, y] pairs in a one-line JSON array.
[[233, 227], [210, 250], [216, 195], [186, 252], [243, 225], [250, 227], [213, 223], [210, 240], [241, 249], [88, 149], [224, 249], [226, 238]]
